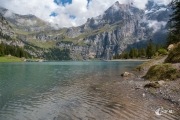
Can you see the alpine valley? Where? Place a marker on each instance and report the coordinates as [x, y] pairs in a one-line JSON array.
[[120, 27]]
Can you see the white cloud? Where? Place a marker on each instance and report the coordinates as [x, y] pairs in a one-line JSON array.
[[162, 1], [78, 8], [156, 25]]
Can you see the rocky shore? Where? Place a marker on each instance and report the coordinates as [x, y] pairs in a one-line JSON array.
[[128, 89], [167, 90], [163, 90]]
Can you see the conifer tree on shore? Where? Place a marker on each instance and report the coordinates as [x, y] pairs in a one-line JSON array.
[[174, 23]]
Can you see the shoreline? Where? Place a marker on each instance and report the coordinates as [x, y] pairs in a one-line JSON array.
[[168, 93], [169, 90], [129, 60], [130, 93]]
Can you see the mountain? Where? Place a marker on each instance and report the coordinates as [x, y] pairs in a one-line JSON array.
[[24, 23], [120, 27], [5, 28], [14, 45], [7, 34]]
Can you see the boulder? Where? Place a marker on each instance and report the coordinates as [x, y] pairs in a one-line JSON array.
[[161, 82], [170, 47], [127, 74]]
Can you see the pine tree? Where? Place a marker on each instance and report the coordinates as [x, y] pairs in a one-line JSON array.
[[174, 23], [136, 53], [2, 49], [132, 53], [126, 55], [142, 52], [149, 50]]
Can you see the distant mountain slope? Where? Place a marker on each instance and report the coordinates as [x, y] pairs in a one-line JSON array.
[[7, 34], [5, 28], [120, 27], [26, 23], [10, 43]]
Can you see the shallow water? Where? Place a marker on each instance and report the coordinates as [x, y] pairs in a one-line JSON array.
[[68, 91]]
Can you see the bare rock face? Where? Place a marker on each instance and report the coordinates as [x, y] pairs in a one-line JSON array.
[[121, 27], [5, 28], [7, 34], [127, 74]]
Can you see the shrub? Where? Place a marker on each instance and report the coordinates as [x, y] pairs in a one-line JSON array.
[[162, 72], [162, 51]]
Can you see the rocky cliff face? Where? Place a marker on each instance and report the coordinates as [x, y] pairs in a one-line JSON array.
[[120, 26], [5, 28], [7, 35], [103, 36]]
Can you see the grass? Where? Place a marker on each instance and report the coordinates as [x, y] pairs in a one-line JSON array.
[[47, 44], [95, 59], [152, 92], [148, 63], [162, 72], [10, 59], [152, 85]]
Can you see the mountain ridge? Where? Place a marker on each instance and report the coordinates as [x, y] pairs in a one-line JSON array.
[[108, 34]]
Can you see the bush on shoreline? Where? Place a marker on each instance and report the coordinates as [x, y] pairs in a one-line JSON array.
[[162, 72]]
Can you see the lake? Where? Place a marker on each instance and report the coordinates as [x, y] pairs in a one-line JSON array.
[[60, 90]]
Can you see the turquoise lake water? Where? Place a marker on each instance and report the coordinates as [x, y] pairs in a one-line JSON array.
[[54, 90]]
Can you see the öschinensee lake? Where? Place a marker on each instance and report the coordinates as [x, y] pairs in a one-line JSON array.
[[61, 91]]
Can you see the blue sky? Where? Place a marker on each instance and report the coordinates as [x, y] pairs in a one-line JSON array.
[[63, 2]]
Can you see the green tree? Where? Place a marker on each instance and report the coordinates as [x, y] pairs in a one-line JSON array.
[[149, 50], [20, 52], [132, 53], [2, 49], [142, 52], [126, 55], [136, 53], [162, 51], [121, 56], [174, 23]]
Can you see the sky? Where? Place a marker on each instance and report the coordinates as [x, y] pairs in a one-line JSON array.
[[66, 13]]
